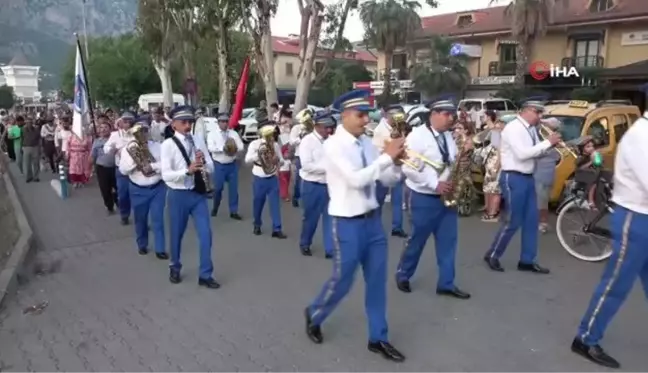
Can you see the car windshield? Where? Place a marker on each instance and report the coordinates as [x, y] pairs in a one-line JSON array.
[[570, 127], [248, 113], [375, 115]]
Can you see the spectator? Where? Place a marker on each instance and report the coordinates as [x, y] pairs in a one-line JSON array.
[[544, 176], [31, 151], [14, 133]]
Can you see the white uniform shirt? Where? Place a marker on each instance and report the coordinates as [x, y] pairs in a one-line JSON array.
[[173, 165], [62, 136], [630, 176], [428, 142], [381, 133], [252, 157], [116, 142], [517, 149], [284, 138], [216, 142], [128, 167], [311, 155], [347, 177], [295, 138], [157, 130]]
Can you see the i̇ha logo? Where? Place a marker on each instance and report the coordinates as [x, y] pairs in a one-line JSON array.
[[540, 70]]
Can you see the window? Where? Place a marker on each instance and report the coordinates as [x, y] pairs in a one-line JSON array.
[[319, 66], [586, 52], [507, 52], [496, 105], [465, 20], [467, 105], [601, 5], [570, 127], [399, 61], [620, 126], [598, 131], [510, 106], [289, 69]]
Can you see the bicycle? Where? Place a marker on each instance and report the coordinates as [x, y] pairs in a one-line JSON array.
[[591, 229]]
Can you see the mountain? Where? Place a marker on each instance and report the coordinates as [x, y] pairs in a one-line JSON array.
[[43, 30]]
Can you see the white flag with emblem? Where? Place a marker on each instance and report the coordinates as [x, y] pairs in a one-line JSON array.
[[81, 117]]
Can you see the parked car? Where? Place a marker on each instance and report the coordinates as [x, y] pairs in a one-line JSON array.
[[501, 106], [247, 127]]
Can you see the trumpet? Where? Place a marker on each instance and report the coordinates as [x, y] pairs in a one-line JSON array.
[[561, 147], [410, 155]]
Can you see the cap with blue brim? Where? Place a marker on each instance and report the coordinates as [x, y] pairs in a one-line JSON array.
[[325, 120], [354, 100], [532, 104], [443, 105], [182, 113], [223, 117]]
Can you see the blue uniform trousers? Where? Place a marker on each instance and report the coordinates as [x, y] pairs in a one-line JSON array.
[[396, 201], [315, 203], [357, 242], [123, 194], [182, 204], [521, 211], [430, 216], [629, 260], [262, 188], [298, 181], [226, 173], [149, 200]]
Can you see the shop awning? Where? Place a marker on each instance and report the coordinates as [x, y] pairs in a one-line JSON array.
[[633, 71]]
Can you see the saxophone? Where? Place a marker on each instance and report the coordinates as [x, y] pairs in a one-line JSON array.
[[459, 176], [138, 150], [267, 152]]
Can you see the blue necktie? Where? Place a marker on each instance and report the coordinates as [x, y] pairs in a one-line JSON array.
[[367, 188]]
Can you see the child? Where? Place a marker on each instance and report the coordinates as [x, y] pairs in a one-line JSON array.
[[585, 162], [284, 170]]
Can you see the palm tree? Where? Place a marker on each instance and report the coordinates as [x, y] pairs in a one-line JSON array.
[[388, 25], [530, 19], [441, 71]]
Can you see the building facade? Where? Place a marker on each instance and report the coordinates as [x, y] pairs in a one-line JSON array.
[[23, 78], [596, 34]]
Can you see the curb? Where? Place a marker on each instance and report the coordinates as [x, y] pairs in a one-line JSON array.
[[14, 265]]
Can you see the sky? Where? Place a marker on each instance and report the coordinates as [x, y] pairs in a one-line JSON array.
[[286, 21]]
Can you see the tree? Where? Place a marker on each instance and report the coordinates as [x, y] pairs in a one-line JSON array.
[[529, 20], [441, 71], [155, 26], [338, 79], [309, 34], [7, 100], [388, 24], [256, 22], [119, 71]]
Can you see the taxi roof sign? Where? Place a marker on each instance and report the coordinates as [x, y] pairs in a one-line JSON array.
[[579, 104]]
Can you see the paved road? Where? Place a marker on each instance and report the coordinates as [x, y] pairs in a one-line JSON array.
[[111, 309]]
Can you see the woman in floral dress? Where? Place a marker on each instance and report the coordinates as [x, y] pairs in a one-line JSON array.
[[79, 160]]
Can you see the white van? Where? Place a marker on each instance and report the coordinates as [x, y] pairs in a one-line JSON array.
[[501, 106], [151, 100]]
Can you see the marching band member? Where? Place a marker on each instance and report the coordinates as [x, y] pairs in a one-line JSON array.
[[382, 133], [116, 142], [141, 163], [315, 198], [296, 135], [225, 145], [352, 168], [158, 124], [266, 182], [520, 145], [184, 161], [629, 258], [429, 215]]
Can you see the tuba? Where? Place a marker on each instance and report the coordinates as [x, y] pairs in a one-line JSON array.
[[459, 176], [138, 150], [266, 152]]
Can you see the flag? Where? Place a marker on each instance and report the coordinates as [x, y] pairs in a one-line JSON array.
[[237, 111], [81, 116]]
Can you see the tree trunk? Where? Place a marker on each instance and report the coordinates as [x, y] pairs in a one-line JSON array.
[[387, 74], [305, 75], [268, 75], [223, 76], [521, 63], [163, 69]]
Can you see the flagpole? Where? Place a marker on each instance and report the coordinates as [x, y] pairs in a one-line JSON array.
[[87, 83]]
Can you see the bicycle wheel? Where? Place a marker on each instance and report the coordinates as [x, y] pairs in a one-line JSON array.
[[579, 244]]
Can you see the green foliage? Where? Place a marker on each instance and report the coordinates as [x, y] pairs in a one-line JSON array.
[[517, 93], [389, 23], [6, 97], [440, 72], [590, 94], [119, 71]]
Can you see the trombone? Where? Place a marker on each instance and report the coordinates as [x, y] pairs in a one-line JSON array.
[[562, 147], [410, 155]]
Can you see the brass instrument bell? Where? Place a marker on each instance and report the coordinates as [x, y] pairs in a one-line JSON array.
[[561, 147]]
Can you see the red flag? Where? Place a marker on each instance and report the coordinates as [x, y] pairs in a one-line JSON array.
[[237, 111]]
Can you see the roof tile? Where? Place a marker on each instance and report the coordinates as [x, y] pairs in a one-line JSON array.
[[290, 45]]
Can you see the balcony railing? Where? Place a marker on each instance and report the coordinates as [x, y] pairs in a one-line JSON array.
[[499, 68], [583, 61]]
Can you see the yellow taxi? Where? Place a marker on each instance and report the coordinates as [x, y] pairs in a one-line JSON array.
[[605, 121]]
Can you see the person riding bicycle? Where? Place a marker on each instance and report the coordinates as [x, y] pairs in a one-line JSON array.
[[589, 173]]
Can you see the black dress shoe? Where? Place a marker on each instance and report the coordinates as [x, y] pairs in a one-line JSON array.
[[594, 354], [455, 292], [143, 251], [388, 351], [36, 179], [174, 277], [279, 235], [162, 256], [399, 233], [295, 203], [494, 264], [124, 221], [328, 256], [208, 283], [214, 212], [314, 332], [257, 231], [306, 251], [404, 286], [533, 267], [236, 216]]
